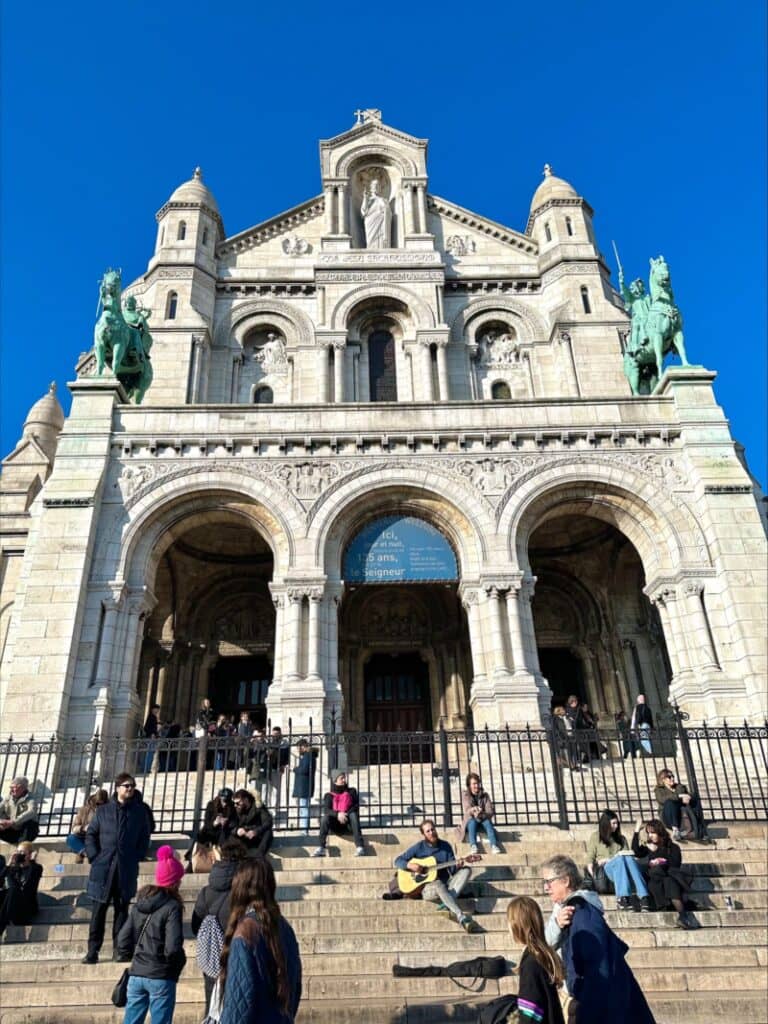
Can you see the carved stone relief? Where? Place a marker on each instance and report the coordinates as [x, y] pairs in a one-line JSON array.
[[460, 245], [293, 245]]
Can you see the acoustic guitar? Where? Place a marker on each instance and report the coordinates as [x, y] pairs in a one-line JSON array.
[[409, 882]]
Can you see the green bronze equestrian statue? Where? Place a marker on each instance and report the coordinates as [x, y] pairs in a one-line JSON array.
[[657, 328], [122, 339]]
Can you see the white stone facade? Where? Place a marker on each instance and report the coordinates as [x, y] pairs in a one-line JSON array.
[[464, 373]]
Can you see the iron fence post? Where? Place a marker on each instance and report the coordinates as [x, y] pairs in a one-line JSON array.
[[685, 748], [447, 810], [89, 772], [562, 806], [202, 758]]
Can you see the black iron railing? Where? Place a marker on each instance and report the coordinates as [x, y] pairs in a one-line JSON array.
[[536, 776]]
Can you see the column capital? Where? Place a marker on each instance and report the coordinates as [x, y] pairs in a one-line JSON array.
[[141, 600], [693, 588], [469, 594], [434, 336], [331, 339]]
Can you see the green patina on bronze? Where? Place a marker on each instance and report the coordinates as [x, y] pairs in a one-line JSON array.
[[122, 339], [657, 328]]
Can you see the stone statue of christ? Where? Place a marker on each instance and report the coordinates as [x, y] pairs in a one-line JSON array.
[[375, 214]]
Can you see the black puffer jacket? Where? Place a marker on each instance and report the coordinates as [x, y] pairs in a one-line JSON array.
[[160, 954], [117, 840], [214, 898]]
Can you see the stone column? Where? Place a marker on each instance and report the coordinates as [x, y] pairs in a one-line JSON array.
[[112, 606], [516, 639], [323, 373], [470, 598], [407, 206], [315, 595], [442, 370], [278, 600], [343, 209], [330, 219], [697, 618], [495, 619], [339, 348], [292, 651], [665, 600], [421, 208], [426, 371]]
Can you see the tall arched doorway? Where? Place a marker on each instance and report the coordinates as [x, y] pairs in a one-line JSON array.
[[211, 633], [597, 634], [404, 655]]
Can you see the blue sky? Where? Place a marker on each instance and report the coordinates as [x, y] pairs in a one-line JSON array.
[[656, 114]]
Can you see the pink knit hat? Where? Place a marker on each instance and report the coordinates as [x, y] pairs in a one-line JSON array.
[[169, 869]]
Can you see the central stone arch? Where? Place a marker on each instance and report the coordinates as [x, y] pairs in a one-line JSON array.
[[422, 315]]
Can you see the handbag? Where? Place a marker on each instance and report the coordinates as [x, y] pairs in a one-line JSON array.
[[120, 991], [203, 858], [601, 881]]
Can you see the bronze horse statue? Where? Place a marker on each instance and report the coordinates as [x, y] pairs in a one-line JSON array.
[[657, 329], [122, 345]]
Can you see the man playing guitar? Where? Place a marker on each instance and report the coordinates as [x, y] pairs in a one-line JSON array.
[[448, 881]]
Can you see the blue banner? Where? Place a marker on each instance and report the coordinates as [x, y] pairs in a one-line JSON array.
[[399, 549]]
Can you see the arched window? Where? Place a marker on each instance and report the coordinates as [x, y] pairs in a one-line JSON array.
[[263, 396], [171, 306], [500, 391], [205, 236], [585, 299], [181, 234], [547, 232], [381, 367], [569, 225]]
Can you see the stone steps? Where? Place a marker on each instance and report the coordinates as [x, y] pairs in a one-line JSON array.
[[334, 904]]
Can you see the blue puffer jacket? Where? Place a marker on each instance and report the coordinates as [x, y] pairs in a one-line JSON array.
[[249, 993], [117, 840]]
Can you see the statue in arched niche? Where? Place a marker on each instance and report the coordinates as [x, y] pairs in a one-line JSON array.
[[376, 217]]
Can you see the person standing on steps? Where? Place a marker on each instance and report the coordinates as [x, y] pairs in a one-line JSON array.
[[597, 975], [153, 938], [541, 972], [304, 780], [116, 842], [450, 882], [640, 726]]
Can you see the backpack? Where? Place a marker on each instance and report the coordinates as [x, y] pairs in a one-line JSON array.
[[210, 942]]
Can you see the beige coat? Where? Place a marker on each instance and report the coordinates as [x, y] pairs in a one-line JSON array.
[[486, 808], [19, 811]]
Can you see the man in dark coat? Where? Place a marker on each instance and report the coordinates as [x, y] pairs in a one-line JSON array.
[[304, 780], [596, 972], [116, 842]]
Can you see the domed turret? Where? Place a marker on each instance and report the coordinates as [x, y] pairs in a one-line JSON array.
[[194, 192], [189, 224], [559, 215], [552, 188], [44, 421]]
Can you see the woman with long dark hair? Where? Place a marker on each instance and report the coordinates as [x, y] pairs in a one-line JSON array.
[[608, 850], [260, 963], [662, 861], [541, 970]]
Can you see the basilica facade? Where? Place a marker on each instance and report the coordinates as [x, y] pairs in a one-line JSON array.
[[389, 473]]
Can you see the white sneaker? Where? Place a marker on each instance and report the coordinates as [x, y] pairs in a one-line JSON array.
[[319, 852], [359, 851], [473, 848], [495, 849], [676, 834]]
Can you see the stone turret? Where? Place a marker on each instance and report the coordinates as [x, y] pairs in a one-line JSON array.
[[30, 463], [189, 225], [559, 215]]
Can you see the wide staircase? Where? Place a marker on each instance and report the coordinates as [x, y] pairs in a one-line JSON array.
[[350, 938]]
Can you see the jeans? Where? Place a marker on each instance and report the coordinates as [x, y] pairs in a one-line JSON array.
[[75, 843], [487, 825], [448, 894], [625, 874], [303, 802], [158, 995], [644, 733], [149, 756]]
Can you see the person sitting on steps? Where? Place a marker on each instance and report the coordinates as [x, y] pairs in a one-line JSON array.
[[680, 810], [341, 813], [18, 814], [450, 882], [478, 813], [608, 849], [254, 826]]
